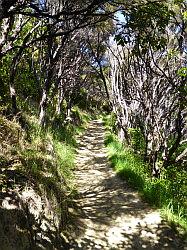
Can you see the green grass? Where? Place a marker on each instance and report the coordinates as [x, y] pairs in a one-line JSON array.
[[44, 157], [164, 193], [66, 131], [125, 163], [65, 156], [51, 151], [48, 161]]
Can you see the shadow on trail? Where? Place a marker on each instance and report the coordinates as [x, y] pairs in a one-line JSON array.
[[134, 241], [107, 208], [110, 215]]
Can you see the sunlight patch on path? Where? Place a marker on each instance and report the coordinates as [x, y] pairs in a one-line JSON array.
[[112, 216]]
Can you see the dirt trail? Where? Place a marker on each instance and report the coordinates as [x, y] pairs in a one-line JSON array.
[[113, 216]]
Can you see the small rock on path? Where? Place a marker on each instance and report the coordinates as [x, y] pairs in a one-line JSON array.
[[113, 216]]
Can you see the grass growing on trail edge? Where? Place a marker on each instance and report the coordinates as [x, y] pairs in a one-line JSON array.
[[50, 153], [158, 192], [42, 159], [36, 172]]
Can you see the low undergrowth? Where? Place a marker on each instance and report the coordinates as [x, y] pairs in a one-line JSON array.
[[36, 167], [166, 193]]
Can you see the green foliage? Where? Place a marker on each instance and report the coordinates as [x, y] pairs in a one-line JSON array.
[[150, 14], [65, 131], [137, 140], [127, 164], [185, 15], [65, 155], [110, 121], [4, 79], [182, 72], [176, 216], [146, 26], [120, 40], [178, 183], [80, 117]]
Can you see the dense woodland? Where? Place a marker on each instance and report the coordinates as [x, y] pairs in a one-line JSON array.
[[63, 61]]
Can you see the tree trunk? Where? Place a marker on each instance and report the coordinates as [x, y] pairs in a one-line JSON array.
[[59, 100], [13, 100], [43, 105]]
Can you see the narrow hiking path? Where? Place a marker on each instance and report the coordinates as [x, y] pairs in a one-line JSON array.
[[113, 215]]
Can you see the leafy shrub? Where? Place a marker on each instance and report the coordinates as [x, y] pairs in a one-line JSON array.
[[110, 121], [137, 140]]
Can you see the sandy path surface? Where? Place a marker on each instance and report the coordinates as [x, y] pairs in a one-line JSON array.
[[113, 216]]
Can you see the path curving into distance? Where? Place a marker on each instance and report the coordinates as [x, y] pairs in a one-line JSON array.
[[112, 215]]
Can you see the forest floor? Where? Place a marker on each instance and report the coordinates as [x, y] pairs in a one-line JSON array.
[[111, 214]]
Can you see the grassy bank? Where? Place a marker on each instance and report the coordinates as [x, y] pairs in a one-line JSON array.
[[166, 192], [48, 154], [36, 168]]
